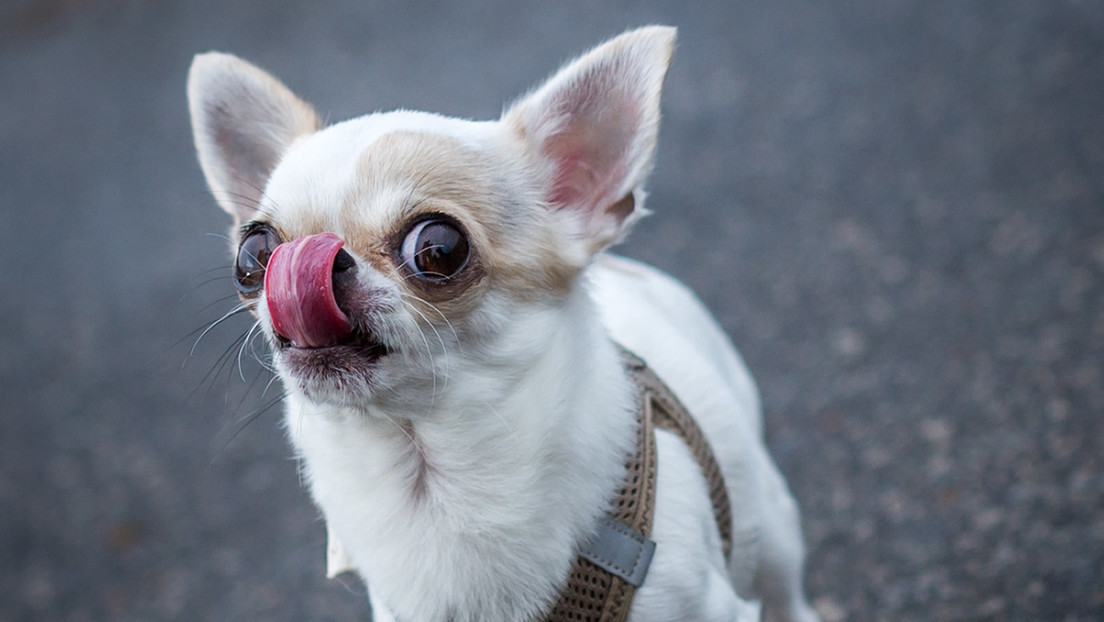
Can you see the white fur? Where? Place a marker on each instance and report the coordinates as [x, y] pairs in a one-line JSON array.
[[461, 477]]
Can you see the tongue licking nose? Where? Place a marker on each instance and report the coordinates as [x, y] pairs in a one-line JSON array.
[[298, 286]]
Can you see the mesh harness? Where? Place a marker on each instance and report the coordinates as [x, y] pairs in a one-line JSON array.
[[614, 562]]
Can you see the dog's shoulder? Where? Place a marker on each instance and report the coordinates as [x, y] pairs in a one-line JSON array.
[[666, 324]]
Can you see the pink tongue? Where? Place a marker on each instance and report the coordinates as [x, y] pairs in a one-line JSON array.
[[299, 289]]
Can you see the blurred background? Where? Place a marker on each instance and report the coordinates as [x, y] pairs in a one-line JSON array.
[[895, 208]]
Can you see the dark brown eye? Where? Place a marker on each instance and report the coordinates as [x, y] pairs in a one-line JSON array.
[[435, 250], [253, 254]]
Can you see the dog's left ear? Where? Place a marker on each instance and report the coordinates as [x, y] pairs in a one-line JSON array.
[[593, 127], [243, 121]]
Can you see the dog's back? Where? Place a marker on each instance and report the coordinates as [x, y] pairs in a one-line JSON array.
[[664, 323]]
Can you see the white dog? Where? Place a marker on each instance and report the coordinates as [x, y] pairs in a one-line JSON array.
[[448, 331]]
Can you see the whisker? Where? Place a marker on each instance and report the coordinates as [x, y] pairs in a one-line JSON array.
[[444, 318], [205, 327], [215, 279], [244, 343], [429, 350], [271, 380], [219, 235], [241, 200], [218, 268], [250, 418], [267, 364], [351, 586], [224, 275], [220, 363], [240, 308], [249, 389], [219, 301], [253, 204]]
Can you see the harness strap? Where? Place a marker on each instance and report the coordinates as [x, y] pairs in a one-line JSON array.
[[668, 413], [614, 561]]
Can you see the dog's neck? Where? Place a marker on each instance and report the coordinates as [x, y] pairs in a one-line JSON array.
[[473, 510]]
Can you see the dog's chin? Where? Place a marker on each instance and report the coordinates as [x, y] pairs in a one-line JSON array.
[[341, 374]]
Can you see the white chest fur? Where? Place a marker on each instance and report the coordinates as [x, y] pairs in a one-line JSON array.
[[473, 511]]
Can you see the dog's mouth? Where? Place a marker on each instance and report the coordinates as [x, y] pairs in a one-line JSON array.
[[359, 344], [319, 371]]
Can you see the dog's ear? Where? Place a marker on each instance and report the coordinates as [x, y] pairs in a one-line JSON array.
[[593, 128], [243, 121]]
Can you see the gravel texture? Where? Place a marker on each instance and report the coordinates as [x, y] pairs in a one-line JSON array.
[[895, 208]]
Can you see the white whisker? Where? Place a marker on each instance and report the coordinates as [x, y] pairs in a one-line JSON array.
[[229, 314], [241, 349], [429, 352], [438, 312]]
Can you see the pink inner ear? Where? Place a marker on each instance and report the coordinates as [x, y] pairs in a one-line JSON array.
[[590, 155], [573, 179]]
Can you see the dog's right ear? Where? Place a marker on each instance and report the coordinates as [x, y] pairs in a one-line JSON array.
[[243, 121], [593, 128]]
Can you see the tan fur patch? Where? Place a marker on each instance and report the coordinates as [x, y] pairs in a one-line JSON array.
[[405, 176]]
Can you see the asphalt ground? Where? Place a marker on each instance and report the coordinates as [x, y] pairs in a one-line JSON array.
[[896, 209]]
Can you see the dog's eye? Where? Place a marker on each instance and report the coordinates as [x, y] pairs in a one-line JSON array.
[[435, 250], [253, 254]]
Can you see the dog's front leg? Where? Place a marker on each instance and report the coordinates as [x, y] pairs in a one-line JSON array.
[[379, 612]]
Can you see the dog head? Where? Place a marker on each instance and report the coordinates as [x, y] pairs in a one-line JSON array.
[[388, 256]]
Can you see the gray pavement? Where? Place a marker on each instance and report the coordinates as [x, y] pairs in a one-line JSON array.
[[895, 208]]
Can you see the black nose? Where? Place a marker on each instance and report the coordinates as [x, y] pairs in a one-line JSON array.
[[345, 282], [343, 262]]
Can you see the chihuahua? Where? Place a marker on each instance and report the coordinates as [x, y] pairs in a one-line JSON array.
[[447, 326]]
